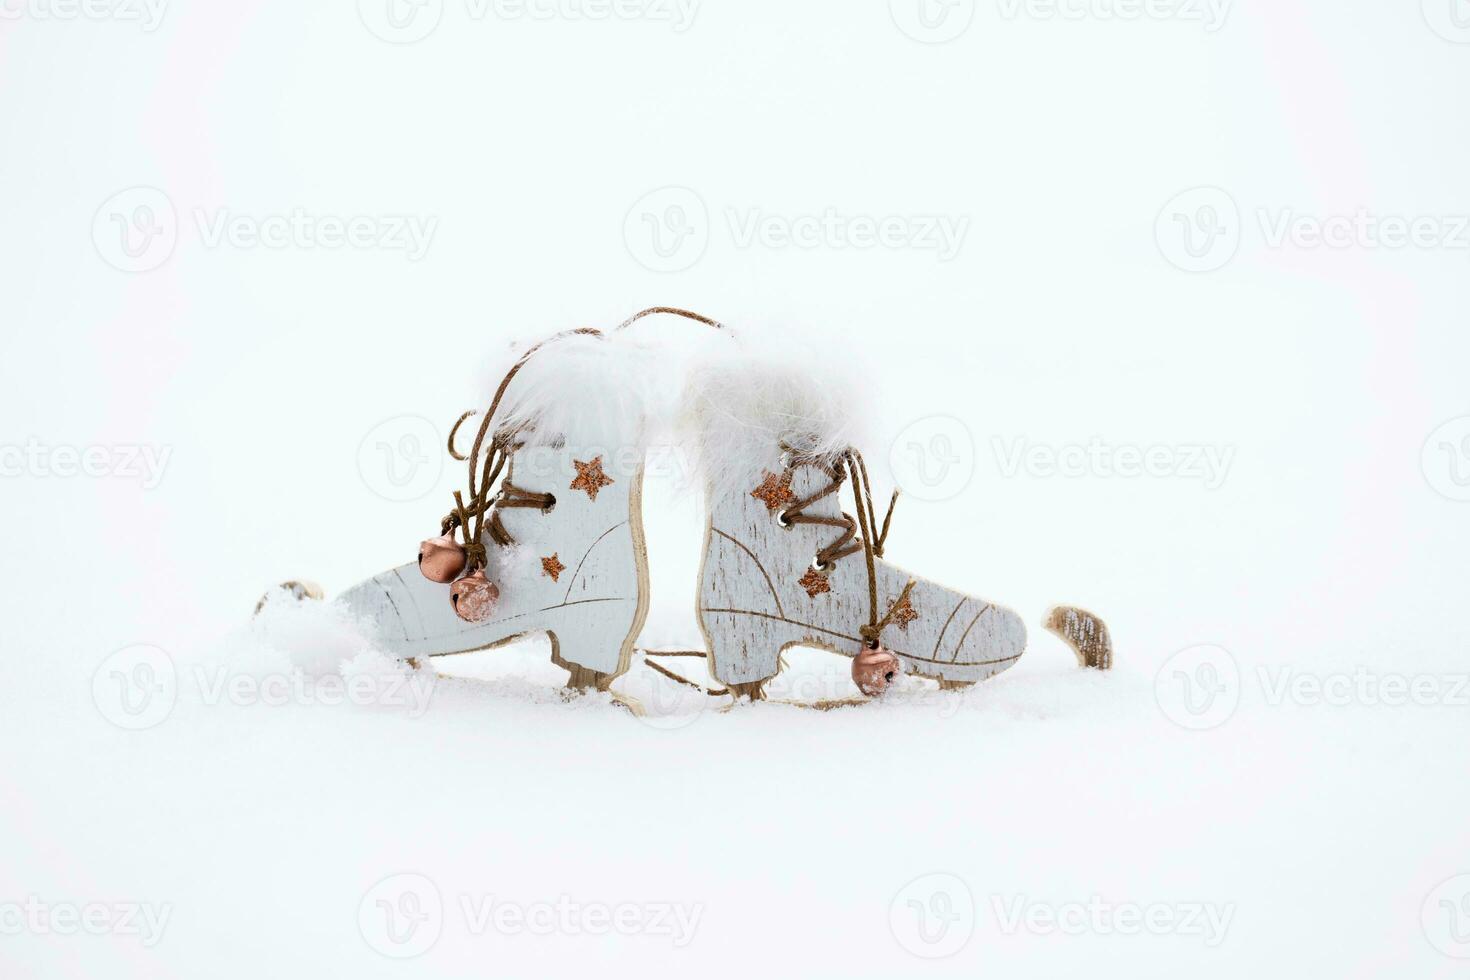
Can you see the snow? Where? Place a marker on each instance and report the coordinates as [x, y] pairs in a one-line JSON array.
[[260, 829]]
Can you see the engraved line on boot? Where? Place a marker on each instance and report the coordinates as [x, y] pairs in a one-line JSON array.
[[963, 636], [952, 613], [409, 593], [389, 596], [764, 574], [907, 656], [573, 581]]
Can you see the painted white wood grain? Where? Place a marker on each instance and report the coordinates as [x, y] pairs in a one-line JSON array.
[[594, 607], [752, 605], [1085, 633]]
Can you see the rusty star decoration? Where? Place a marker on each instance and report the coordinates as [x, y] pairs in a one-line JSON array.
[[903, 614], [552, 566], [774, 491], [590, 477], [814, 582]]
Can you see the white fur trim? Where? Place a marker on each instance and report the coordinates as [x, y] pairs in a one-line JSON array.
[[594, 391], [767, 390]]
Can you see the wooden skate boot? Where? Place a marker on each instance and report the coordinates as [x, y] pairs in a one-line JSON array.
[[784, 566], [556, 547]]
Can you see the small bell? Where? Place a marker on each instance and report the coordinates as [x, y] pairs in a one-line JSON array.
[[874, 669], [474, 597], [441, 559]]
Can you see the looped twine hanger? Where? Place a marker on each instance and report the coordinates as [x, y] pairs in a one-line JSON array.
[[470, 518]]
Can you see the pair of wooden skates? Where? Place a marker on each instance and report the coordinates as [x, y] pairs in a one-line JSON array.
[[562, 540]]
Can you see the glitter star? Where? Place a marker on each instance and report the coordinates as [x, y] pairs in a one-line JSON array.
[[774, 491], [903, 614], [552, 566], [590, 477], [814, 582]]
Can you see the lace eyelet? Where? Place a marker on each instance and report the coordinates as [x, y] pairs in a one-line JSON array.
[[550, 506], [784, 521]]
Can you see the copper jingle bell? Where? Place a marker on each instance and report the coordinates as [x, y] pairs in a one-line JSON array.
[[441, 559], [874, 669], [474, 597]]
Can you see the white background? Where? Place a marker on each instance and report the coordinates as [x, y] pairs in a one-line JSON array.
[[1335, 542]]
